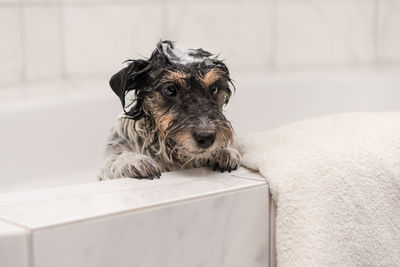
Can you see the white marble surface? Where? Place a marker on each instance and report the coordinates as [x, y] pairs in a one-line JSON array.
[[99, 38], [194, 217], [55, 206], [325, 33], [389, 32], [221, 230], [241, 33], [13, 246]]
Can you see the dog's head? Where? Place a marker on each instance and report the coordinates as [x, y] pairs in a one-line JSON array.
[[180, 94]]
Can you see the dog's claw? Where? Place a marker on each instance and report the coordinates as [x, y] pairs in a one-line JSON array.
[[227, 160], [215, 166], [139, 167]]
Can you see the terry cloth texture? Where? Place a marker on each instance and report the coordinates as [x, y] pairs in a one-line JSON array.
[[336, 183]]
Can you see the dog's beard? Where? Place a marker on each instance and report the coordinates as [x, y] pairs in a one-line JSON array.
[[183, 148], [189, 157]]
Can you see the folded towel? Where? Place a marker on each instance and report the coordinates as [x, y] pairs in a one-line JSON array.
[[336, 184]]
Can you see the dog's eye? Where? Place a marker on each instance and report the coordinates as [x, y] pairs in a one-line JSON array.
[[169, 91], [213, 89]]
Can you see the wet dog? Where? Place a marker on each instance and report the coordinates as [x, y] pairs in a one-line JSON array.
[[175, 119]]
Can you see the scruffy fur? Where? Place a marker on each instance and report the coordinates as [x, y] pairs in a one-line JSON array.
[[175, 120]]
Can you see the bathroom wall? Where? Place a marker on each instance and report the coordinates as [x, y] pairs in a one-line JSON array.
[[44, 40]]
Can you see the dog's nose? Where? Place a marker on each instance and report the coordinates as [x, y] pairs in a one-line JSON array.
[[204, 139]]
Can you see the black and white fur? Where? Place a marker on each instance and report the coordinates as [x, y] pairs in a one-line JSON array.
[[175, 120]]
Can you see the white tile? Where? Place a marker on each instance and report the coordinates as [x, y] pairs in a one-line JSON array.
[[99, 38], [43, 42], [241, 33], [13, 246], [78, 202], [389, 32], [11, 51], [229, 230], [322, 33]]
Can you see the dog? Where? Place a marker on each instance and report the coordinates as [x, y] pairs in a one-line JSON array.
[[175, 119]]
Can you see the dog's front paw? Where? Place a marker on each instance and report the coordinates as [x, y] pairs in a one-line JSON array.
[[227, 160], [136, 166]]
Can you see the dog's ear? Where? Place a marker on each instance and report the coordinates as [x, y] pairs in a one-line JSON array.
[[130, 78]]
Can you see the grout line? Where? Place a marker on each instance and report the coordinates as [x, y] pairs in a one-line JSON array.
[[272, 238], [274, 35], [22, 44], [31, 256], [261, 179], [75, 3], [269, 231], [61, 28], [376, 33], [148, 208]]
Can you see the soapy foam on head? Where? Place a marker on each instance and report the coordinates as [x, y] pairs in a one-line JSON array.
[[182, 56]]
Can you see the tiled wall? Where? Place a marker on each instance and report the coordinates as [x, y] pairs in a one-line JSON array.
[[53, 39]]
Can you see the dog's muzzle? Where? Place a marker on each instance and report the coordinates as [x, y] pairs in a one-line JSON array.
[[204, 139]]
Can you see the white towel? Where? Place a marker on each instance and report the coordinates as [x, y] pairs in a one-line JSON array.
[[336, 183]]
